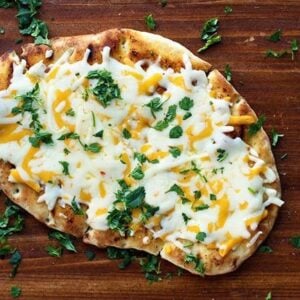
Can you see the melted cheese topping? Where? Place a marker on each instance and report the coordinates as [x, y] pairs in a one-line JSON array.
[[232, 198]]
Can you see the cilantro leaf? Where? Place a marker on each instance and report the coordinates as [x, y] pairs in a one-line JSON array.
[[137, 173], [40, 137], [275, 36], [186, 115], [175, 151], [275, 137], [155, 105], [222, 154], [151, 267], [70, 112], [128, 255], [161, 125], [106, 89], [150, 22], [186, 103], [69, 135], [93, 147], [135, 198], [254, 128], [269, 296], [201, 207], [275, 54], [177, 189], [99, 134], [212, 197], [90, 255], [294, 47], [175, 132], [64, 239], [200, 236], [209, 28], [199, 265], [140, 157]]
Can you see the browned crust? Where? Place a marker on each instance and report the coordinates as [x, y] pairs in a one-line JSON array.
[[129, 46]]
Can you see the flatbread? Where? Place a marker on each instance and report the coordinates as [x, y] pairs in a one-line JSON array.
[[129, 46]]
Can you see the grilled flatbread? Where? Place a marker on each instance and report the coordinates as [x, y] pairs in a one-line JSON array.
[[126, 139]]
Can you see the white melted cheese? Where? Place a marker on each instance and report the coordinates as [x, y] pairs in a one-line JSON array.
[[233, 193]]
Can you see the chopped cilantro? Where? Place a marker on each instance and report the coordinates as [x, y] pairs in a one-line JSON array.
[[54, 251], [28, 23], [142, 158], [254, 128], [171, 113], [155, 105], [295, 241], [275, 36], [65, 166], [15, 291], [199, 265], [175, 132], [222, 155], [228, 73], [2, 30], [228, 10], [161, 125], [64, 239], [70, 112], [40, 137], [150, 22], [275, 137], [128, 255], [106, 89], [76, 207], [99, 134], [137, 173], [209, 33], [175, 151], [200, 236], [176, 189], [126, 134], [212, 197], [151, 267], [185, 218], [90, 255], [186, 103], [265, 249]]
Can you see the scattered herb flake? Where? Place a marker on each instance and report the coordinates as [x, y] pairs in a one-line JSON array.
[[254, 128], [70, 112], [2, 30], [215, 39], [186, 103], [269, 296], [185, 218], [99, 134], [212, 197], [65, 166], [93, 147], [150, 22], [275, 54], [222, 154], [15, 292], [199, 265], [265, 249], [294, 47], [275, 36], [200, 236], [126, 134], [228, 10], [155, 105], [210, 27], [76, 207], [175, 132], [252, 191], [15, 261], [69, 135], [137, 173], [151, 267], [295, 241], [175, 151], [201, 207], [128, 255], [90, 255], [275, 136], [177, 189], [186, 115], [228, 73], [54, 251]]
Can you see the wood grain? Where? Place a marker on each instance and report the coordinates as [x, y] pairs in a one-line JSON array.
[[272, 88]]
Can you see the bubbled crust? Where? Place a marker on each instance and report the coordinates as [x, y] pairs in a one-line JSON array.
[[129, 46]]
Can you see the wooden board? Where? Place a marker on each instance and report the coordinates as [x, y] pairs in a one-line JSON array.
[[272, 87]]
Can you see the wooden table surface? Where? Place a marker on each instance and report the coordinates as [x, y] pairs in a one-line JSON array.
[[271, 86]]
